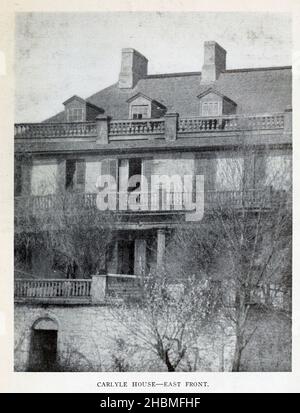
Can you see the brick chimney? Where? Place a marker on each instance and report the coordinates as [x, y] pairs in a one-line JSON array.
[[214, 61], [134, 66]]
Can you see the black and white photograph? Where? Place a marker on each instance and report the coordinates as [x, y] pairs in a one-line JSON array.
[[151, 191], [153, 203]]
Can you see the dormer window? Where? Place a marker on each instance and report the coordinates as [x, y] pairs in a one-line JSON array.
[[140, 111], [213, 103], [75, 115], [78, 110], [211, 109], [142, 107]]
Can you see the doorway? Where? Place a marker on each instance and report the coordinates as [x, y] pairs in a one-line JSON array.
[[126, 257], [43, 350]]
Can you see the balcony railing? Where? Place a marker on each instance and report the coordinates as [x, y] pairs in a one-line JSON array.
[[152, 202], [78, 291], [230, 123], [43, 289], [136, 127], [148, 201], [140, 128], [55, 130], [251, 198]]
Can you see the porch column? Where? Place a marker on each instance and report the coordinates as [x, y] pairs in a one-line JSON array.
[[139, 256], [98, 288], [113, 263], [161, 245]]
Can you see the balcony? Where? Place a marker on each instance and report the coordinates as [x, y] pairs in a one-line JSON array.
[[151, 203], [55, 130], [171, 127], [125, 202], [231, 123], [57, 291], [136, 127], [99, 289]]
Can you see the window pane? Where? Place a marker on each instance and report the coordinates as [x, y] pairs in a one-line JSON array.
[[279, 171], [139, 111], [210, 109], [229, 174], [204, 109], [75, 115], [43, 179]]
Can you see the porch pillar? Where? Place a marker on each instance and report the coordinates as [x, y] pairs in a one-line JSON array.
[[98, 288], [139, 257], [161, 245], [113, 263]]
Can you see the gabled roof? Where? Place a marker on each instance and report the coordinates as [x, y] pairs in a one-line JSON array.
[[137, 95], [74, 97], [260, 90], [212, 90]]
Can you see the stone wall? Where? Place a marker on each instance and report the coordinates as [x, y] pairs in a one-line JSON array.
[[90, 338], [83, 339]]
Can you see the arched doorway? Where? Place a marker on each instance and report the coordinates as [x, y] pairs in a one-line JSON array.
[[43, 345]]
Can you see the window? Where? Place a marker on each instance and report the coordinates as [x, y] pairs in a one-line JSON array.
[[43, 178], [279, 172], [135, 168], [211, 109], [75, 174], [140, 111], [229, 174], [75, 115], [70, 173]]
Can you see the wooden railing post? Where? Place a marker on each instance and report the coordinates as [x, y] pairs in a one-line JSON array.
[[102, 129], [98, 288]]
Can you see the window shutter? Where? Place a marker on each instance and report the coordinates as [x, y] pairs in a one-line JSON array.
[[113, 168], [110, 167], [259, 171], [146, 176]]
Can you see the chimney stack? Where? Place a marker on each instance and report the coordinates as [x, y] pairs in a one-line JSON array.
[[134, 66], [214, 61]]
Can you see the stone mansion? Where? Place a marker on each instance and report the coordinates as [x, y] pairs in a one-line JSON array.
[[175, 124]]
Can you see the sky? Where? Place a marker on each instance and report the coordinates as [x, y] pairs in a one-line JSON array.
[[58, 55]]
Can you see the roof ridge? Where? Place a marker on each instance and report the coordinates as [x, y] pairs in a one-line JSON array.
[[249, 69], [256, 69], [163, 75]]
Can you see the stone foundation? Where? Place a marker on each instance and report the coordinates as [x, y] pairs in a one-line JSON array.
[[89, 338]]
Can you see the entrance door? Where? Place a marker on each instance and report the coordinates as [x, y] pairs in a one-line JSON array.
[[126, 257], [43, 350]]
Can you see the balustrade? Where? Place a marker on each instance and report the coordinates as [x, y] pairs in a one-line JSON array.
[[136, 127], [52, 288], [55, 130], [228, 123]]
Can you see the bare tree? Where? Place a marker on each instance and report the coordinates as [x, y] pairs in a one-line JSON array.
[[169, 318], [66, 226], [243, 244]]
